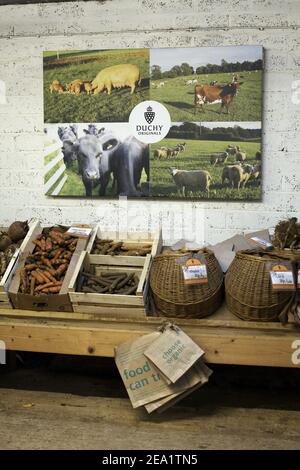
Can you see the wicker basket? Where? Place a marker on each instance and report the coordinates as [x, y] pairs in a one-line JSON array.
[[173, 298], [248, 288]]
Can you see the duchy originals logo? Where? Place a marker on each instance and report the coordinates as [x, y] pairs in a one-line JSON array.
[[150, 121], [149, 115]]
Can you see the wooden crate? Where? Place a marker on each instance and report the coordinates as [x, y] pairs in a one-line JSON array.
[[5, 302], [130, 238], [119, 305], [54, 302]]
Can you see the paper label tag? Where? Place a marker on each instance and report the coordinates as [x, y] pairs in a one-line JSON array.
[[194, 272], [282, 280], [80, 232], [173, 353], [261, 242]]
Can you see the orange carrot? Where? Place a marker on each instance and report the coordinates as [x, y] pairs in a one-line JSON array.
[[38, 243], [30, 267], [49, 276], [62, 268], [51, 290], [56, 236], [48, 244], [46, 262], [44, 286], [43, 244], [42, 275], [37, 277], [57, 254]]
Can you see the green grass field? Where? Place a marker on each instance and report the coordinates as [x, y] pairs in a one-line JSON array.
[[67, 107], [195, 157], [179, 98]]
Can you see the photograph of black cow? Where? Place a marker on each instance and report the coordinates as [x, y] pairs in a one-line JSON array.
[[95, 160]]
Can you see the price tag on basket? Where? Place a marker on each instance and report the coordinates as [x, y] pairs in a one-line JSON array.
[[194, 272], [282, 278]]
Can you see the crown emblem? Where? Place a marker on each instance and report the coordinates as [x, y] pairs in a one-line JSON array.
[[149, 115]]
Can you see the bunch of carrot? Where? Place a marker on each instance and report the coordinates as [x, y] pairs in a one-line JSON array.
[[45, 269]]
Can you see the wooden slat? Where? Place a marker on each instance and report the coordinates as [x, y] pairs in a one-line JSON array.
[[52, 163], [144, 276], [9, 272], [221, 318], [119, 260], [26, 247], [224, 343], [110, 311], [77, 268], [92, 238], [157, 243], [60, 185], [12, 266], [34, 227], [107, 299], [51, 148], [51, 181]]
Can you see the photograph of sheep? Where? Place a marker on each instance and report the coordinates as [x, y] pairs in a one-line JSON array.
[[95, 160], [94, 86], [208, 83], [208, 161]]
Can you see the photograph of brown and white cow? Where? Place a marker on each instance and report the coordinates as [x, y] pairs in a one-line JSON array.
[[212, 94], [223, 83]]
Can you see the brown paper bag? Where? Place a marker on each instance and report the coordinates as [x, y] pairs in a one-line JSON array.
[[143, 381], [173, 352], [199, 375]]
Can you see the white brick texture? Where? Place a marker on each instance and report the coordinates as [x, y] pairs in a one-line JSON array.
[[27, 30]]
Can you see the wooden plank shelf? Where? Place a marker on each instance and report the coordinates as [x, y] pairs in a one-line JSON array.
[[225, 338]]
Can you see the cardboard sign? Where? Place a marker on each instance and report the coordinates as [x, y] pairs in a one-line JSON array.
[[173, 353], [194, 272], [282, 277], [260, 242], [80, 231]]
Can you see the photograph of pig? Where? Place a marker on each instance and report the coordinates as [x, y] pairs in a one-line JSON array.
[[95, 160], [94, 86]]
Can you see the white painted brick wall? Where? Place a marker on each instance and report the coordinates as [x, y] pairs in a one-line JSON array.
[[25, 31]]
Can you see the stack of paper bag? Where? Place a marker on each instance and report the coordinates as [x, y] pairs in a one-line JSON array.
[[161, 368]]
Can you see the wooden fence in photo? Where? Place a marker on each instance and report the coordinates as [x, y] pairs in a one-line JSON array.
[[54, 170]]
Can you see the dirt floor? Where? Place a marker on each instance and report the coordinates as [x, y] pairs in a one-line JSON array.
[[63, 402]]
